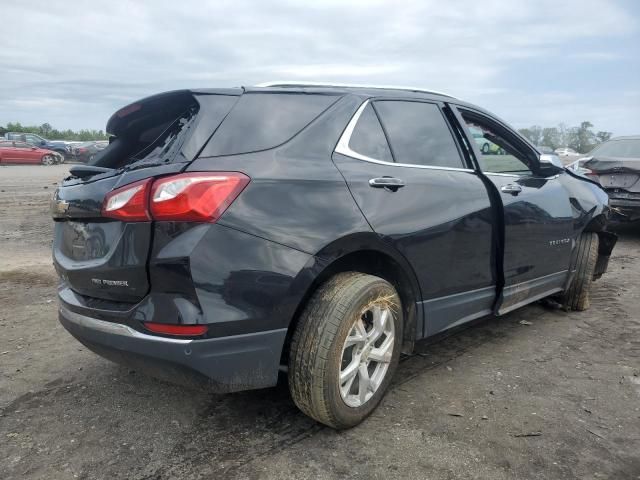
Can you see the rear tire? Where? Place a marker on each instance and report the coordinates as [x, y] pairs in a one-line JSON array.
[[339, 369], [583, 261]]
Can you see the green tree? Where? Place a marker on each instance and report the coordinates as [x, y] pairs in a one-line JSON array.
[[47, 131], [46, 128], [583, 138], [533, 133], [551, 137], [603, 136]]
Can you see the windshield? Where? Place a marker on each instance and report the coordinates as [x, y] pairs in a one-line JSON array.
[[623, 148]]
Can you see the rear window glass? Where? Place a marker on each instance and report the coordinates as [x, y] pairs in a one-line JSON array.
[[260, 121], [624, 148], [418, 133], [368, 137]]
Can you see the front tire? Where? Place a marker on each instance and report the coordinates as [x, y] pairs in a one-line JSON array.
[[48, 160], [583, 261], [345, 349]]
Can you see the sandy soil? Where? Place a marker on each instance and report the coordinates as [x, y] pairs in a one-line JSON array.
[[555, 399]]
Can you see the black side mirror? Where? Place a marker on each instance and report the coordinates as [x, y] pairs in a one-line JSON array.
[[550, 165]]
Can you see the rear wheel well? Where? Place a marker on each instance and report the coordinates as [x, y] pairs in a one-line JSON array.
[[374, 263]]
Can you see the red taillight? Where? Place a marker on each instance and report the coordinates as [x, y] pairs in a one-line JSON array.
[[177, 330], [590, 174], [187, 197], [128, 203], [195, 197]]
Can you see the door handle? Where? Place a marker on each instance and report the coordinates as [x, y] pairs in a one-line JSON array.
[[390, 183], [511, 188]]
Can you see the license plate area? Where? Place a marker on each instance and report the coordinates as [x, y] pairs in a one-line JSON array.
[[618, 180]]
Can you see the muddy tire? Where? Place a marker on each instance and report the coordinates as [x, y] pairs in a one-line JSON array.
[[584, 263], [345, 349]]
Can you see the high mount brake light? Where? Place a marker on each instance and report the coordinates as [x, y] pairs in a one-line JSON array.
[[186, 197]]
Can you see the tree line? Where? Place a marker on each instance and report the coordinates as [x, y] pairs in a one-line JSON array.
[[47, 131], [582, 138]]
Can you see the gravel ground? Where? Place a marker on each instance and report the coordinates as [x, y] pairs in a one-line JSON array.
[[555, 397]]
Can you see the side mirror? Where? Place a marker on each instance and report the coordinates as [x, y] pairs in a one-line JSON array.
[[550, 164], [547, 158]]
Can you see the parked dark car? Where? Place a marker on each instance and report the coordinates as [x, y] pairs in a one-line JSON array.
[[37, 141], [20, 152], [86, 151], [615, 164], [227, 235]]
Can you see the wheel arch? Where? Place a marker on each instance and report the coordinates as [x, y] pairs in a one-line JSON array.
[[366, 253], [606, 242]]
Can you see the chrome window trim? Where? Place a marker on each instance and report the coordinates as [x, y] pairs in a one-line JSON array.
[[513, 175], [343, 147], [495, 174], [294, 83]]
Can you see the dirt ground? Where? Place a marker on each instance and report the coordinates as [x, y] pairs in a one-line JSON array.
[[556, 398]]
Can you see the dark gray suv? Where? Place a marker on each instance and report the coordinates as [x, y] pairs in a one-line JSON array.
[[226, 235]]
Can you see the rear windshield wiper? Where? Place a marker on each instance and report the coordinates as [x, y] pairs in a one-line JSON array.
[[84, 171]]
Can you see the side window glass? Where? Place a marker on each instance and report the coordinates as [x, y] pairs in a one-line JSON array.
[[418, 133], [368, 137], [497, 154]]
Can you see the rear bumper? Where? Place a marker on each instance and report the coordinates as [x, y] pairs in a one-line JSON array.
[[224, 364], [625, 209]]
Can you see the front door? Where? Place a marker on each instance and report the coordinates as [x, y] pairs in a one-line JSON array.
[[538, 221], [417, 193], [26, 153]]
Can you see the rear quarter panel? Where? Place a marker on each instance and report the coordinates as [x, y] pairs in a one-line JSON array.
[[296, 196]]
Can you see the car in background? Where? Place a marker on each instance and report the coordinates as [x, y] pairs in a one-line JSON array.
[[486, 146], [86, 151], [21, 152], [567, 154], [58, 146], [615, 165]]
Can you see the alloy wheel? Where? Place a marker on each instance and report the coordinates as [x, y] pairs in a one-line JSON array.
[[366, 355]]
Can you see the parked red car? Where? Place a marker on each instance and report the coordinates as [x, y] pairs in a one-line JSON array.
[[21, 152]]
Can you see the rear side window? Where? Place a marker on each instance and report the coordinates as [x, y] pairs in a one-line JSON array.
[[368, 137], [418, 133], [260, 121]]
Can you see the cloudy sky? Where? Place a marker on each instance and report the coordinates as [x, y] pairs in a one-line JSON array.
[[543, 62]]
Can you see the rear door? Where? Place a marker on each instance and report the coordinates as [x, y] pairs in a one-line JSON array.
[[418, 194], [538, 218]]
